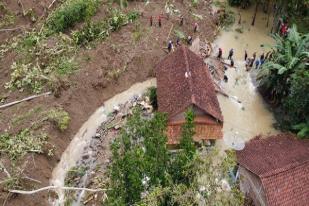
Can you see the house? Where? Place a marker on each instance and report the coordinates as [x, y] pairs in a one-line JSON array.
[[275, 170], [183, 81]]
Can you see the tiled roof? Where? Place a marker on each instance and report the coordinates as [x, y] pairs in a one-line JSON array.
[[282, 163], [183, 80]]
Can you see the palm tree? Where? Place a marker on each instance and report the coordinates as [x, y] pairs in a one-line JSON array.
[[289, 55]]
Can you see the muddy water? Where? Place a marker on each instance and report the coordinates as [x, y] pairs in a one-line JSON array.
[[82, 139], [244, 120]]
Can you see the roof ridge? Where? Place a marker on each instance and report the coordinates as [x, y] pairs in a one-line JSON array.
[[189, 75]]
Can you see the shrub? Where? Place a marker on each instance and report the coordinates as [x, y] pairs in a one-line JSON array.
[[73, 174], [152, 93], [90, 32], [71, 12], [59, 117], [101, 30], [64, 65], [26, 76], [17, 146]]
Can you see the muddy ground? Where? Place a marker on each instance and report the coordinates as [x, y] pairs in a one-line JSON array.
[[91, 85]]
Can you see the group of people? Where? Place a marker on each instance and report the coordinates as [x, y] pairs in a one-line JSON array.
[[189, 39], [250, 61], [230, 56]]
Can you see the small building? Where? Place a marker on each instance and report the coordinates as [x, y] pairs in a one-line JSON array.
[[274, 171], [183, 81]]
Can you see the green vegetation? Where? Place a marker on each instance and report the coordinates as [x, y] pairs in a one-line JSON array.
[[152, 94], [180, 34], [73, 174], [7, 17], [59, 117], [39, 61], [284, 79], [143, 171], [102, 29], [71, 12], [17, 146]]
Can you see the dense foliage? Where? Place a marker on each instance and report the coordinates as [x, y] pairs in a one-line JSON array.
[[71, 12], [102, 29], [143, 172], [284, 79], [152, 93]]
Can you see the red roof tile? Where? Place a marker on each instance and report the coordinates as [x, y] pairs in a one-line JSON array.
[[282, 163], [183, 80]]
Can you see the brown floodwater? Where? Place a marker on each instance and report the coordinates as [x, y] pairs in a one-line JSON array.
[[251, 117]]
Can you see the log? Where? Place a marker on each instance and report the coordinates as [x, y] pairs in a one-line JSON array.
[[51, 4], [51, 187], [23, 100], [12, 29]]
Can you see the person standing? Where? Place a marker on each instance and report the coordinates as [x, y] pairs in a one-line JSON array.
[[170, 46], [151, 20], [159, 21], [178, 41], [246, 55], [195, 28], [181, 21], [262, 59], [232, 62], [231, 52], [189, 40], [220, 53], [257, 64], [254, 56]]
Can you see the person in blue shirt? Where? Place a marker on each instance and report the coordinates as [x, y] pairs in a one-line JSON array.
[[257, 64]]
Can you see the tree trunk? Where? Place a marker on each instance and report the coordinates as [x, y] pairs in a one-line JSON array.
[[268, 12], [255, 12]]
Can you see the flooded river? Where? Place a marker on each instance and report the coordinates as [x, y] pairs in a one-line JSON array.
[[251, 117]]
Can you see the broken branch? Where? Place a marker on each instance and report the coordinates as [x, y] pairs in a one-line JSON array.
[[23, 100], [54, 188]]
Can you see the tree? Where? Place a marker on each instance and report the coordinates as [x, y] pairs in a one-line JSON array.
[[284, 78]]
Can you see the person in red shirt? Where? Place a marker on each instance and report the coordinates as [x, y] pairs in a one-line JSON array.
[[159, 21]]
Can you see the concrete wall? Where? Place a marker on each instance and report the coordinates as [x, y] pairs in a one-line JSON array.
[[251, 185]]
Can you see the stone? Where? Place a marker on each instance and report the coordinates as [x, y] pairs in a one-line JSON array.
[[97, 135], [116, 108], [117, 127]]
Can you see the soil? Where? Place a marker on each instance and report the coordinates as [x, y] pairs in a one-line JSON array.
[[92, 84]]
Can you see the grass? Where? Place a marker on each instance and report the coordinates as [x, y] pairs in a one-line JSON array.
[[137, 32], [19, 119]]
